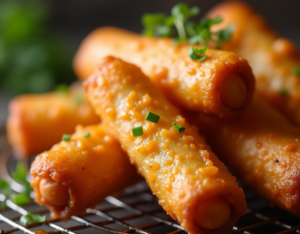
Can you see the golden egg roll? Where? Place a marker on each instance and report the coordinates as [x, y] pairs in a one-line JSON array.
[[192, 185], [37, 121], [275, 60], [222, 84], [78, 174], [262, 148]]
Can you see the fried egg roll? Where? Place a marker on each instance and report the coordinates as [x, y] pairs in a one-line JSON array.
[[192, 185], [274, 59], [222, 84], [262, 148], [37, 121], [78, 174]]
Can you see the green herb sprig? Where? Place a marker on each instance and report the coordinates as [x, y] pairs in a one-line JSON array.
[[198, 54], [20, 176], [177, 25], [22, 198], [6, 190], [32, 218]]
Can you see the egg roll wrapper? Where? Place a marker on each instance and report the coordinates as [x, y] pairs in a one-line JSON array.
[[91, 168], [190, 84], [180, 168], [272, 58], [37, 121], [262, 148]]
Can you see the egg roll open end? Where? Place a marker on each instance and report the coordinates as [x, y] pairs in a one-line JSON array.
[[213, 213], [53, 192], [233, 91]]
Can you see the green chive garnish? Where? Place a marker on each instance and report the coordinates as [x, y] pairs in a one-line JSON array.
[[66, 137], [86, 134], [138, 131], [178, 127], [152, 117], [296, 71]]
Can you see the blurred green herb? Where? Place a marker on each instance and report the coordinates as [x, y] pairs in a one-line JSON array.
[[62, 89], [32, 57], [283, 92], [6, 191], [32, 218], [22, 198], [177, 25], [296, 71]]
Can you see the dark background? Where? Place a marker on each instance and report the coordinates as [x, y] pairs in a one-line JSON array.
[[74, 19]]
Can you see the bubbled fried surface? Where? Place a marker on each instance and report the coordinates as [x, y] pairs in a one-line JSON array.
[[180, 168], [90, 167], [262, 148]]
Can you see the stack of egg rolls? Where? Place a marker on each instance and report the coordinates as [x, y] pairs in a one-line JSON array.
[[211, 201], [255, 141], [274, 59], [262, 148]]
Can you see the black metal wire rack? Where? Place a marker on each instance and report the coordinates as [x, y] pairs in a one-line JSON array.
[[135, 211]]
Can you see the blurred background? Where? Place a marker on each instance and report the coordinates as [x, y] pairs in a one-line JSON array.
[[38, 38]]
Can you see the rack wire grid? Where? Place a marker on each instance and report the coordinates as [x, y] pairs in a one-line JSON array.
[[135, 211]]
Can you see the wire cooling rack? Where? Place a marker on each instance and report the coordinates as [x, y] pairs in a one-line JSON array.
[[135, 211]]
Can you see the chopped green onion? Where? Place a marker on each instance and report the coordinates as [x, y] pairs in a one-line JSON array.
[[78, 100], [137, 131], [62, 88], [198, 54], [66, 137], [179, 128], [152, 117], [283, 92], [86, 134], [296, 71], [32, 218]]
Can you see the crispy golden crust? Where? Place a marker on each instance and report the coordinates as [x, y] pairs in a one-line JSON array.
[[190, 84], [262, 148], [90, 167], [37, 121], [179, 167], [272, 58]]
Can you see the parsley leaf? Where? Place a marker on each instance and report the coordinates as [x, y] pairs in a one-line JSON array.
[[20, 175], [32, 218], [198, 54], [223, 36], [5, 188], [21, 198]]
